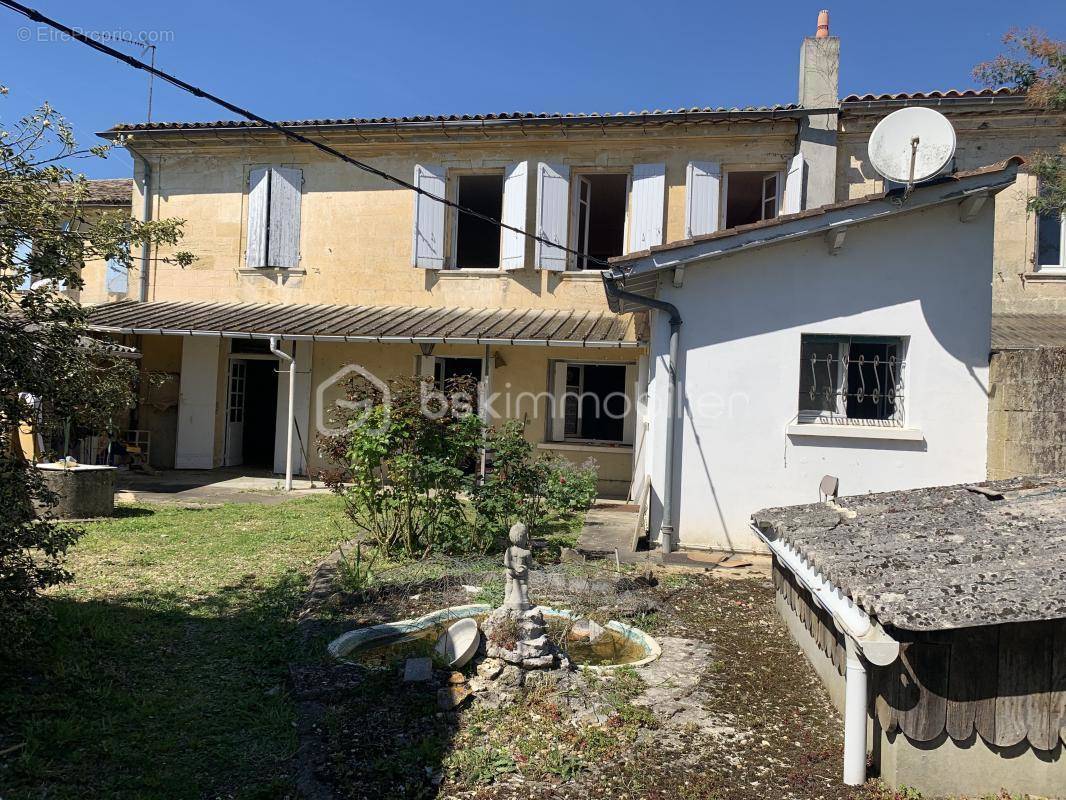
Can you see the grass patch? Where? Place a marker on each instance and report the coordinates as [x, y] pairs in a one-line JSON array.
[[161, 670]]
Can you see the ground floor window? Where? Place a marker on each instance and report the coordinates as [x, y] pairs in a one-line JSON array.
[[752, 196], [592, 402], [599, 217], [851, 378], [448, 368]]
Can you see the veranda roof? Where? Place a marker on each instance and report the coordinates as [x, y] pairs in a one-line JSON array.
[[345, 323]]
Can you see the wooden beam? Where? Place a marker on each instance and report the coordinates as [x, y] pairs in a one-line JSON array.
[[679, 276], [970, 206], [834, 238]]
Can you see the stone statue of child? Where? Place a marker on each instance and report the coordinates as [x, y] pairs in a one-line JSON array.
[[517, 560]]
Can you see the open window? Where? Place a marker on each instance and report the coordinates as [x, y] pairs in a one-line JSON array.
[[1050, 241], [599, 218], [591, 403], [477, 242], [845, 378], [752, 196], [449, 368]]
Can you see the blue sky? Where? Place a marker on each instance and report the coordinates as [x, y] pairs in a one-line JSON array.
[[316, 59]]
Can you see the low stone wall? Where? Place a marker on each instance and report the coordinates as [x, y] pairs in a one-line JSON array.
[[1027, 413], [84, 491]]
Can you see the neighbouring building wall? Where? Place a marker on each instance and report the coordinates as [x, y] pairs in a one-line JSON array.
[[922, 275], [985, 136], [1027, 413], [102, 284]]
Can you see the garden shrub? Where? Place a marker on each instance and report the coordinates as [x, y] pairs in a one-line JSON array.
[[403, 472], [408, 472], [523, 487]]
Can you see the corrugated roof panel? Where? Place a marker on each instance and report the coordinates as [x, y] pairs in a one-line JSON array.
[[363, 322]]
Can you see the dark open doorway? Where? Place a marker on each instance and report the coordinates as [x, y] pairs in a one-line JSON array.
[[260, 413]]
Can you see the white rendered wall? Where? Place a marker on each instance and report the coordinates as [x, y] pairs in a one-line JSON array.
[[922, 275], [195, 448]]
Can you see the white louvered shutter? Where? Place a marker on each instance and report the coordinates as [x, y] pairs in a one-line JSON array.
[[649, 189], [703, 188], [286, 187], [553, 201], [427, 250], [258, 198], [515, 188], [793, 199]]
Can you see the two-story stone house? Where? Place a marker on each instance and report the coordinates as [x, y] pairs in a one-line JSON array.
[[345, 268]]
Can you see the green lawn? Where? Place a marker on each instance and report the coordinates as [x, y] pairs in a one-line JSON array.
[[162, 669]]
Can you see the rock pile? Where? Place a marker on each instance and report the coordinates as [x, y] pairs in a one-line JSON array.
[[520, 638]]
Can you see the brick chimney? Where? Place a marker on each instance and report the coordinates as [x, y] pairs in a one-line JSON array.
[[818, 75]]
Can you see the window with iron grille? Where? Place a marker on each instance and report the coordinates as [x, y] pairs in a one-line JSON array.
[[852, 378]]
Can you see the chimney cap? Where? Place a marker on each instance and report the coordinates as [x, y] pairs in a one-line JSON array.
[[823, 24]]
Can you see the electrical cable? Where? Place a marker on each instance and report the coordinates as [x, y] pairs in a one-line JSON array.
[[36, 16]]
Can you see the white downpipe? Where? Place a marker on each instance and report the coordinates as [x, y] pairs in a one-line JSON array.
[[855, 694], [292, 402], [863, 636]]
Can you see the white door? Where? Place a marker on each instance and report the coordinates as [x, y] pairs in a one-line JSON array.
[[238, 375]]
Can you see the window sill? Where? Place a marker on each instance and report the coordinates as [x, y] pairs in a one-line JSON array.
[[590, 275], [815, 429], [594, 447], [273, 272], [1047, 274], [473, 272]]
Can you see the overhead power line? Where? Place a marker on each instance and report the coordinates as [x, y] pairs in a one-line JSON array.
[[40, 18]]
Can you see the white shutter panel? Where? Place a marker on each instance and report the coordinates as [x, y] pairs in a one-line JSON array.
[[703, 188], [286, 185], [515, 189], [427, 250], [258, 195], [793, 200], [553, 201], [558, 409], [649, 188]]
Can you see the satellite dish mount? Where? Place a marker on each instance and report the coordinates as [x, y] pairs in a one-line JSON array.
[[911, 145]]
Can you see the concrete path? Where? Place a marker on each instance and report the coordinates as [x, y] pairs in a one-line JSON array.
[[609, 527], [200, 487]]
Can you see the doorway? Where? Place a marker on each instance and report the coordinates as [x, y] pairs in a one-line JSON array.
[[251, 413]]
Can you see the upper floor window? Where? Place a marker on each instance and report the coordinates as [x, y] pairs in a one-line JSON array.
[[752, 196], [599, 219], [851, 378], [477, 242], [1050, 241], [274, 195]]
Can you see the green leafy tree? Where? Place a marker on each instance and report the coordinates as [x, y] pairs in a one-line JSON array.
[[1036, 65], [44, 350]]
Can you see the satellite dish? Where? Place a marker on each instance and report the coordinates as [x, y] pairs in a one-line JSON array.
[[912, 145]]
